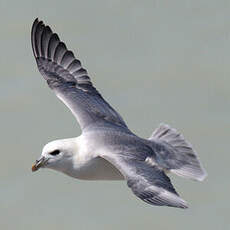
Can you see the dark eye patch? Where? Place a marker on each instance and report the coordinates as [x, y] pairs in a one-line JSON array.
[[55, 152]]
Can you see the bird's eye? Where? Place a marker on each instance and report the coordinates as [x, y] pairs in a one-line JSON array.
[[55, 152]]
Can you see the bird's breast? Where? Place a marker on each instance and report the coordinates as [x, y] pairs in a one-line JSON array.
[[97, 169]]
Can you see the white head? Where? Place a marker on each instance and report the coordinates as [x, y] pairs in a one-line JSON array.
[[57, 155]]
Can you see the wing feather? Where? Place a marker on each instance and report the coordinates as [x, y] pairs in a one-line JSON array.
[[147, 182], [70, 82], [53, 43], [45, 38]]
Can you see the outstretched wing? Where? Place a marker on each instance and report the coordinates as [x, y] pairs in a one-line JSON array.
[[70, 82], [146, 180]]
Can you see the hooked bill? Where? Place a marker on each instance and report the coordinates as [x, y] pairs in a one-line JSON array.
[[34, 168]]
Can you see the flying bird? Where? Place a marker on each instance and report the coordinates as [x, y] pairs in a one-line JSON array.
[[107, 149]]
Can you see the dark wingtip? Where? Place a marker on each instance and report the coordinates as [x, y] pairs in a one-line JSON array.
[[33, 29], [34, 25], [36, 20]]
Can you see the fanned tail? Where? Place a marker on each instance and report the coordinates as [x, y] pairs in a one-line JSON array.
[[175, 154]]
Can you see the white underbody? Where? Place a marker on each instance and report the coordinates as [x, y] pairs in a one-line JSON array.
[[96, 169]]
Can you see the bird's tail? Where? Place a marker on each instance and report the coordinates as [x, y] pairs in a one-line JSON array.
[[175, 154]]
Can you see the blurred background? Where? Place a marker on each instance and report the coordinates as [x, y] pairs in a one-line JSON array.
[[154, 61]]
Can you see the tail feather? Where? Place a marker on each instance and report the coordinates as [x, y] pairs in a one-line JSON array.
[[176, 154]]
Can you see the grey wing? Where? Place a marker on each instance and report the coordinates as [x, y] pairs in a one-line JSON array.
[[70, 82], [147, 181]]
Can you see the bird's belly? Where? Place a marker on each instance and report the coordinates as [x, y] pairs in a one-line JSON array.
[[98, 169]]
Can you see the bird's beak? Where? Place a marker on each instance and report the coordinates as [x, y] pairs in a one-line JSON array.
[[38, 164]]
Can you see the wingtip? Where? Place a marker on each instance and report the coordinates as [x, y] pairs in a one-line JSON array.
[[181, 203], [184, 205], [36, 21], [37, 25]]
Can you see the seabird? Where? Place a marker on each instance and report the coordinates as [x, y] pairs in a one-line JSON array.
[[107, 149]]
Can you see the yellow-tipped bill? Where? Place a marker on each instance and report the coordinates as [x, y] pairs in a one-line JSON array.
[[38, 164]]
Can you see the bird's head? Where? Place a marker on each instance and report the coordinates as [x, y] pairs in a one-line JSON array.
[[57, 155]]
